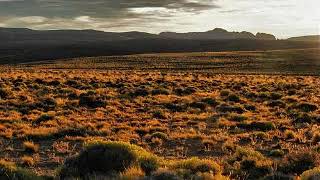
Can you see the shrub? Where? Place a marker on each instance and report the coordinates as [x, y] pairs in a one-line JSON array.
[[47, 104], [289, 134], [185, 91], [224, 108], [139, 92], [30, 147], [233, 98], [210, 101], [160, 92], [133, 173], [91, 100], [263, 126], [307, 107], [252, 163], [313, 174], [277, 103], [302, 118], [275, 96], [43, 118], [4, 93], [238, 118], [224, 93], [297, 163], [159, 135], [149, 165], [107, 157], [276, 153], [159, 115], [27, 161], [198, 165], [199, 105], [9, 171], [316, 138], [250, 107]]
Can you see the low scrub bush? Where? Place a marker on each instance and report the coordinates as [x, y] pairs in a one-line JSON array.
[[107, 158], [297, 163]]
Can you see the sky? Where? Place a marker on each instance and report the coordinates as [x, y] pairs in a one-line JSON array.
[[283, 18]]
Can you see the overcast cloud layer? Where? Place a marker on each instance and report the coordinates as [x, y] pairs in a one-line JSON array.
[[281, 17]]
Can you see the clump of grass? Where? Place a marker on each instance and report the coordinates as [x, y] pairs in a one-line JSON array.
[[289, 134], [132, 173], [9, 171], [196, 165], [312, 174], [27, 161], [316, 138], [30, 147]]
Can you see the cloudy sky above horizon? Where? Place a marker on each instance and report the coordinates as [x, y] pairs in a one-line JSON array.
[[284, 18]]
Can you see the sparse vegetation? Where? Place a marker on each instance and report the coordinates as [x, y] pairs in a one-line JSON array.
[[172, 125]]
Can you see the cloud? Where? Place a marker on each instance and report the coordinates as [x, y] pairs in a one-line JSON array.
[[96, 8]]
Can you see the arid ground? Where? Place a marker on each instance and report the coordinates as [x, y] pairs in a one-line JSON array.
[[248, 115]]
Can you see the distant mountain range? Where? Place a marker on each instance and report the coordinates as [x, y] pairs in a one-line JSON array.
[[25, 45], [13, 34]]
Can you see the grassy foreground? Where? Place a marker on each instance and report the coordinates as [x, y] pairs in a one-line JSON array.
[[187, 125]]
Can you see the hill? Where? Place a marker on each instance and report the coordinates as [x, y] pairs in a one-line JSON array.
[[306, 38], [26, 45]]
